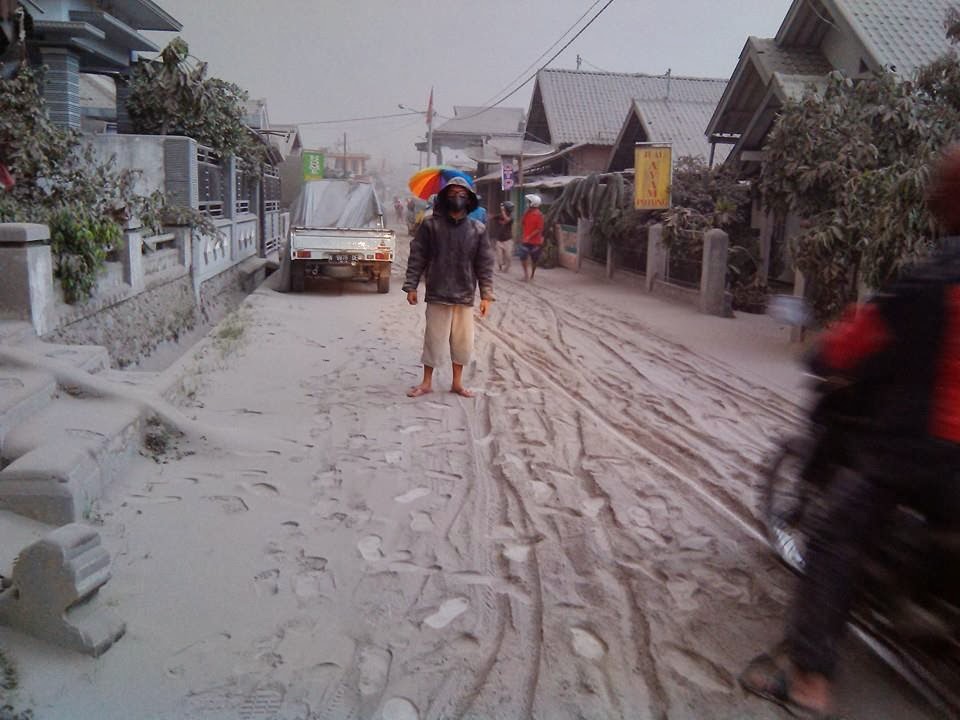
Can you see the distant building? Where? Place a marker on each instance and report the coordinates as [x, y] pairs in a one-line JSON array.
[[352, 164], [470, 130], [585, 115]]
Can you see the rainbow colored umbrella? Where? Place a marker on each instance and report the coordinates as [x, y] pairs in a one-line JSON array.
[[432, 180]]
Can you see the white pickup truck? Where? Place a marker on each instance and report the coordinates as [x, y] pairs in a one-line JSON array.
[[337, 230]]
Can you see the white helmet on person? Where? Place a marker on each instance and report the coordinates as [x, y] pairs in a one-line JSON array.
[[534, 200]]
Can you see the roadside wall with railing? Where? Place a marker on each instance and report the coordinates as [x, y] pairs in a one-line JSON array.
[[697, 278], [151, 286]]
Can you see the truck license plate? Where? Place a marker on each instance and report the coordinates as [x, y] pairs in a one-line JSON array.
[[345, 259]]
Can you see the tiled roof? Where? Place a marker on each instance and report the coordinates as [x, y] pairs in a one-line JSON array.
[[787, 61], [681, 124], [483, 121], [904, 34], [589, 107]]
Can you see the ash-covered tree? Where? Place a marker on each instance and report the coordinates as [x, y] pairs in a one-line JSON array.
[[174, 95], [58, 181], [851, 160]]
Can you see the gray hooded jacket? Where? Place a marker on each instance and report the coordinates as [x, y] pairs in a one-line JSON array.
[[454, 255]]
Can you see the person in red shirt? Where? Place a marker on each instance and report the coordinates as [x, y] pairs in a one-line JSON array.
[[531, 243]]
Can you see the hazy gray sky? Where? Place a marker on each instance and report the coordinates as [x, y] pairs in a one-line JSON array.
[[332, 59]]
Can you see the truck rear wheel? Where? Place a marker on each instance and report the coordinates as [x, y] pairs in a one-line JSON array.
[[298, 272], [383, 282]]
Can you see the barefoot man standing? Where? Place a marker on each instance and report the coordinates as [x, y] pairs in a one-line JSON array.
[[453, 252]]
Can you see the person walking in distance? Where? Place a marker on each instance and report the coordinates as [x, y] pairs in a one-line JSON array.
[[532, 239], [398, 210], [503, 235], [453, 254]]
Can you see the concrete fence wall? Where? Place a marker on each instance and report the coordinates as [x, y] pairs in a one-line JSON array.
[[710, 298], [30, 292]]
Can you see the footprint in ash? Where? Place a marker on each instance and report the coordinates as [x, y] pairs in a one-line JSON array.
[[412, 495], [399, 709], [421, 522], [586, 644], [373, 666], [448, 611], [371, 548]]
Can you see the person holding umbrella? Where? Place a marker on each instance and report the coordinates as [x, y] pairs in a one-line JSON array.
[[452, 253]]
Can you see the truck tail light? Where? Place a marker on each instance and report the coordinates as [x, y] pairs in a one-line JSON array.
[[384, 256], [302, 254]]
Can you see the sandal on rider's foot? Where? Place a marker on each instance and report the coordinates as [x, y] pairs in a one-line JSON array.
[[766, 678]]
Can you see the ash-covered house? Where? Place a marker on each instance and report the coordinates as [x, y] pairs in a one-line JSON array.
[[855, 37], [593, 120]]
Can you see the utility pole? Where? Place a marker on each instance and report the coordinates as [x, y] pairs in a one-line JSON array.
[[345, 173], [430, 130]]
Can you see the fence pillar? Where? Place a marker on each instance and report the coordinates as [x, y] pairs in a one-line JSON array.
[[713, 274], [26, 266], [184, 237], [196, 264], [131, 255], [583, 239], [230, 187], [656, 256]]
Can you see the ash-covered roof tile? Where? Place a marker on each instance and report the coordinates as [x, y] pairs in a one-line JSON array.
[[772, 58], [903, 34], [682, 125], [484, 121], [589, 107]]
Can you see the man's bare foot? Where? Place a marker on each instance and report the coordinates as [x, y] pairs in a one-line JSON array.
[[419, 390], [772, 677], [462, 392]]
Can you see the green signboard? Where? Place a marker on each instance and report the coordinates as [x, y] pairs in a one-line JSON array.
[[312, 165]]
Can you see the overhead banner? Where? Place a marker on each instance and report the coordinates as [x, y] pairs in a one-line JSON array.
[[654, 173], [313, 165], [507, 181]]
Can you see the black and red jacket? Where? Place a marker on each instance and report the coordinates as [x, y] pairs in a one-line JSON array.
[[905, 344]]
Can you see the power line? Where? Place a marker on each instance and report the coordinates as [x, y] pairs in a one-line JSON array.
[[357, 119], [599, 69], [544, 53], [552, 58]]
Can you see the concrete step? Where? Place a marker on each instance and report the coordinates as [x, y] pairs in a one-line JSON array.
[[90, 358], [252, 271], [15, 332], [131, 378], [61, 459], [23, 393], [55, 484]]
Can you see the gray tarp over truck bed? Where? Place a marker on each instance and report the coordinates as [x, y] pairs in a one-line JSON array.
[[337, 230], [335, 204]]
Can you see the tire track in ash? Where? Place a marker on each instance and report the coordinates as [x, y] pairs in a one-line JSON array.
[[733, 508], [668, 417], [601, 583], [661, 350]]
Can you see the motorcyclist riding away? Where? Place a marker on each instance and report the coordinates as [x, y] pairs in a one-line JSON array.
[[905, 345]]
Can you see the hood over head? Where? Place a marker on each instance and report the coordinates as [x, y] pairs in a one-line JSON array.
[[472, 202]]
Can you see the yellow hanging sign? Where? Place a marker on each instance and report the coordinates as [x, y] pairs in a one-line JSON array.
[[654, 174]]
